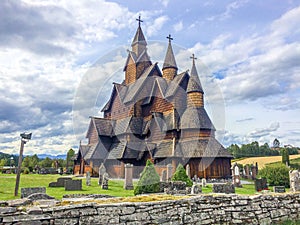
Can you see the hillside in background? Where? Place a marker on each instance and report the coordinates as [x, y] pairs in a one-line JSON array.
[[262, 161]]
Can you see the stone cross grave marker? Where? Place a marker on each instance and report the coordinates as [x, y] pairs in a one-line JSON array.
[[247, 172], [188, 170], [105, 181], [169, 171], [102, 170], [164, 176], [254, 171], [128, 183], [196, 189], [236, 179], [88, 179], [294, 180]]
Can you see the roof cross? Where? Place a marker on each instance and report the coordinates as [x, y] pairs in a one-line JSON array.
[[170, 38], [193, 57], [139, 19]]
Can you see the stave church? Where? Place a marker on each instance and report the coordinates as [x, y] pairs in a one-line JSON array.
[[155, 114]]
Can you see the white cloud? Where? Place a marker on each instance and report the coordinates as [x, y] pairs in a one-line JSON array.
[[156, 26], [178, 26], [164, 2]]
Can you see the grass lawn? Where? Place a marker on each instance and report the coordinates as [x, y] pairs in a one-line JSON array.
[[7, 186]]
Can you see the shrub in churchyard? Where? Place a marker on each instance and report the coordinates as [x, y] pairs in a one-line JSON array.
[[277, 175], [149, 180], [180, 175]]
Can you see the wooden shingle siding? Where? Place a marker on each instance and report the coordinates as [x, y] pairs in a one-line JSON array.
[[169, 73], [195, 99]]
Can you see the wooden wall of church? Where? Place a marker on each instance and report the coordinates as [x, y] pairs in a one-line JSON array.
[[210, 167]]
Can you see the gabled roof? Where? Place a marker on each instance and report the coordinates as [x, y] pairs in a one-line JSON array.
[[196, 118], [194, 84], [131, 55], [103, 126], [83, 149], [175, 84], [128, 150], [145, 81], [119, 90], [169, 61]]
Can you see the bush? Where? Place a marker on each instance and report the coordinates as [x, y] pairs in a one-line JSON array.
[[180, 175], [277, 175], [26, 170], [149, 180]]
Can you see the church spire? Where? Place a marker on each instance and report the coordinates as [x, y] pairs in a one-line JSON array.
[[139, 42], [169, 68], [194, 84], [194, 88]]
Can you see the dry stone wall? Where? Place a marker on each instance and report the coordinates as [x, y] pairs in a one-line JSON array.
[[200, 209]]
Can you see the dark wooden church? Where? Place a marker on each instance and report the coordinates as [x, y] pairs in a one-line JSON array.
[[154, 114]]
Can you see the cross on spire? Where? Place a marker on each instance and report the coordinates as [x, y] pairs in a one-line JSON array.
[[170, 38], [140, 21], [193, 57]]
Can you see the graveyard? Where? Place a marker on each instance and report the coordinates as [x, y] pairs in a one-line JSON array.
[[172, 197]]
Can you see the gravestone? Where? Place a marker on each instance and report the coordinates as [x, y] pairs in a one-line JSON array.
[[236, 179], [73, 185], [196, 189], [39, 196], [164, 176], [174, 187], [169, 171], [88, 179], [294, 180], [203, 181], [247, 172], [25, 192], [128, 183], [279, 189], [105, 181], [226, 188], [254, 171], [188, 170], [102, 170], [261, 184], [60, 182]]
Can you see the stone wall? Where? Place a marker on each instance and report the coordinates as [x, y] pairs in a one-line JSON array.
[[200, 209]]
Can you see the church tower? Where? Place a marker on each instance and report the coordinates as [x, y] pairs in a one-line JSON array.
[[138, 59], [194, 88], [169, 68]]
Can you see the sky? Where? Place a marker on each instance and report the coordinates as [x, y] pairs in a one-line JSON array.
[[58, 59]]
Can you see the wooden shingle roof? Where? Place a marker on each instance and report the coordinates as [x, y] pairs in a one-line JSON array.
[[198, 148], [196, 118]]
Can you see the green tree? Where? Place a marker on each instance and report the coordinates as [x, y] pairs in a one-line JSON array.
[[46, 163], [3, 162], [26, 162], [234, 149], [276, 175], [180, 175], [149, 180], [69, 160]]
